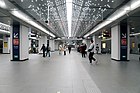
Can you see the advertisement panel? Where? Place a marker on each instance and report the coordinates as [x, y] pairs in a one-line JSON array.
[[15, 42], [123, 41]]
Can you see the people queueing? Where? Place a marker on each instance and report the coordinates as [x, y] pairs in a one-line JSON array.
[[48, 49], [69, 48], [91, 52], [97, 48], [44, 49]]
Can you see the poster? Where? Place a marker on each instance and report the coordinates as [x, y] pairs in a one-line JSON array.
[[5, 44]]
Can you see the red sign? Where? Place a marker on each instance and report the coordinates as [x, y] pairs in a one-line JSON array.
[[16, 42], [123, 41]]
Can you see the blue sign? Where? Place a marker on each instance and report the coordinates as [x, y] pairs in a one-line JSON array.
[[16, 42], [123, 41]]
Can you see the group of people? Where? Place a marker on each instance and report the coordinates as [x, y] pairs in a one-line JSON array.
[[46, 50], [84, 50], [63, 49]]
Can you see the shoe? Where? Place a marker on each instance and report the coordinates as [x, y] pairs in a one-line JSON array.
[[96, 61], [90, 62]]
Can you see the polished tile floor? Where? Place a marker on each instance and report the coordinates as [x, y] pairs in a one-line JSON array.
[[69, 74]]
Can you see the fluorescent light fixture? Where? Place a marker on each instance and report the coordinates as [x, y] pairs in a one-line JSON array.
[[2, 4], [117, 14], [4, 24], [3, 31], [69, 15], [27, 19], [135, 34]]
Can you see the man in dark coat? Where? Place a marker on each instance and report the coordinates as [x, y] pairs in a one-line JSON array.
[[44, 49]]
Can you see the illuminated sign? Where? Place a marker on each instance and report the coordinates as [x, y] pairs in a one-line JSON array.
[[4, 27], [16, 42], [123, 41]]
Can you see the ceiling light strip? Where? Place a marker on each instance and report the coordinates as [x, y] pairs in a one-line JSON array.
[[4, 31], [2, 4], [119, 13], [69, 15]]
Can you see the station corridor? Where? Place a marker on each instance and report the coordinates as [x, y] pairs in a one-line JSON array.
[[69, 74]]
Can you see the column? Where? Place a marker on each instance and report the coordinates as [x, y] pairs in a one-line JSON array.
[[97, 41], [42, 40], [57, 42], [19, 42], [52, 45], [6, 44], [120, 41]]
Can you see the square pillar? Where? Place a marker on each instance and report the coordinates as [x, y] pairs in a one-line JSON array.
[[120, 42], [97, 41], [19, 42], [52, 45]]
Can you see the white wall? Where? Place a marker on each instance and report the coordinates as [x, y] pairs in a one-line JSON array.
[[11, 43], [24, 42], [97, 41], [115, 42], [56, 44], [52, 45], [128, 43]]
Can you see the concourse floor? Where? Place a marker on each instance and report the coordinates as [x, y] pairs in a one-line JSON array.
[[69, 74]]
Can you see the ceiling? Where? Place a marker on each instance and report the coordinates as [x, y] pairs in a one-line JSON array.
[[86, 14]]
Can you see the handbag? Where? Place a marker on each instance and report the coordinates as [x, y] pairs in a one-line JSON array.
[[89, 50]]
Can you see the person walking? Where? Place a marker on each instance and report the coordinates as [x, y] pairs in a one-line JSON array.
[[83, 50], [44, 49], [64, 49], [60, 49], [48, 49], [69, 48], [91, 52]]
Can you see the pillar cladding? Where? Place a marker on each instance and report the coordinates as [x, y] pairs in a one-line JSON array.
[[120, 42], [20, 42], [97, 41], [52, 45]]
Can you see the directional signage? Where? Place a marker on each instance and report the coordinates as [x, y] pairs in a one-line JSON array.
[[16, 42], [123, 41]]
